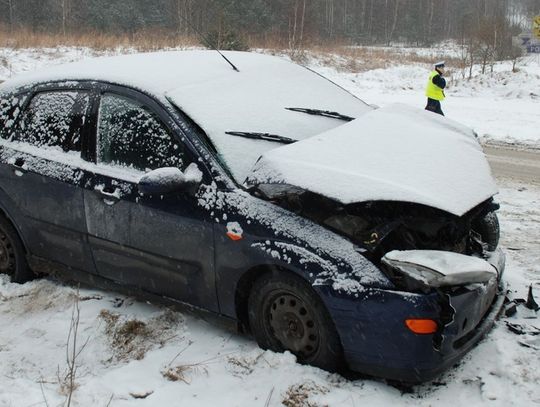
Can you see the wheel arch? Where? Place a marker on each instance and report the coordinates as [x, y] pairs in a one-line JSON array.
[[7, 215], [332, 356]]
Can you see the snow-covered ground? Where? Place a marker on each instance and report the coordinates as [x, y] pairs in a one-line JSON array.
[[501, 107], [133, 347]]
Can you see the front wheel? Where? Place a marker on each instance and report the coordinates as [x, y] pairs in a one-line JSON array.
[[12, 255], [286, 314], [489, 229]]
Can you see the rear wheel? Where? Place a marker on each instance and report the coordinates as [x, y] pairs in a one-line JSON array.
[[12, 255], [286, 314]]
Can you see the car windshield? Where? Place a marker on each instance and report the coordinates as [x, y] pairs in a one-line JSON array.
[[255, 101]]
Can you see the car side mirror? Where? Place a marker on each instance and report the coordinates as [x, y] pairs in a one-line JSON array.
[[169, 179]]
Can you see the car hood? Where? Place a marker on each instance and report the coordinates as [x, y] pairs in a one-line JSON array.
[[396, 153]]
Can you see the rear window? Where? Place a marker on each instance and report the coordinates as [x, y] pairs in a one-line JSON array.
[[54, 119]]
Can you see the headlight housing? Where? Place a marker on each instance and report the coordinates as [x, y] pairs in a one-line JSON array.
[[437, 269]]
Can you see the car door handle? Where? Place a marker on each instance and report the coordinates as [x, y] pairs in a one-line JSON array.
[[19, 167], [110, 196]]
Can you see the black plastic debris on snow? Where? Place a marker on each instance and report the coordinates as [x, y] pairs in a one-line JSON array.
[[519, 329], [531, 303], [528, 345], [510, 308]]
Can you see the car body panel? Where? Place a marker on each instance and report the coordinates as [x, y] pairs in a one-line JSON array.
[[179, 264], [49, 199], [377, 342], [273, 238]]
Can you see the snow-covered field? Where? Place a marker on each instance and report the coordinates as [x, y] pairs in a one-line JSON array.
[[503, 107], [131, 353]]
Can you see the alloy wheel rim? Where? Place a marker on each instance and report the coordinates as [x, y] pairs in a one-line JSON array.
[[293, 325]]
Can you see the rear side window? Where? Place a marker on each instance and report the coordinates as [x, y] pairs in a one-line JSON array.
[[54, 119], [10, 108], [132, 135]]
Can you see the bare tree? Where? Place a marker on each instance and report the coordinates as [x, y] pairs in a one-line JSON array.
[[394, 20], [297, 18], [11, 8], [65, 11], [73, 351], [292, 21]]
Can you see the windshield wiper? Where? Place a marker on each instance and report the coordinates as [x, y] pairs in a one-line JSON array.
[[325, 113], [262, 136]]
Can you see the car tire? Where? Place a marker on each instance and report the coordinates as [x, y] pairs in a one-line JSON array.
[[12, 254], [488, 228], [285, 313]]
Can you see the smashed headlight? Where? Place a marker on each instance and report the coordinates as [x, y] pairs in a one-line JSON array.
[[434, 268]]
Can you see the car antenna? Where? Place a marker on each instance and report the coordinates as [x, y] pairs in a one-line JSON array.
[[208, 43]]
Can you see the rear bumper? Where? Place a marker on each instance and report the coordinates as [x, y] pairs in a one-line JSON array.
[[376, 341]]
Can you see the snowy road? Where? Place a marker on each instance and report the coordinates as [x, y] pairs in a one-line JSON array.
[[510, 163]]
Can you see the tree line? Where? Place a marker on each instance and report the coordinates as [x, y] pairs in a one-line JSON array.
[[293, 22]]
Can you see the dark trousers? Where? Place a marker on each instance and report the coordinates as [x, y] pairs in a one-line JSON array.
[[434, 106]]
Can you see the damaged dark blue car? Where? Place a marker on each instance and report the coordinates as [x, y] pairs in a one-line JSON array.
[[354, 237]]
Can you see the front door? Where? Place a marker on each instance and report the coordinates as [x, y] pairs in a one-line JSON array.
[[160, 244]]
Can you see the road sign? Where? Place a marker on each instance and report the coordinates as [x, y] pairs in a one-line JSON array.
[[536, 27], [530, 42]]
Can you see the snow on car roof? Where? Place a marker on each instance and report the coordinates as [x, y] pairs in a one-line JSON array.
[[220, 99], [155, 72]]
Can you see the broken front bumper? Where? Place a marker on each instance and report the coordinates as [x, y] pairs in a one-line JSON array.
[[377, 342]]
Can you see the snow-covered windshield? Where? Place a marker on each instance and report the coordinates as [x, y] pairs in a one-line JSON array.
[[258, 101]]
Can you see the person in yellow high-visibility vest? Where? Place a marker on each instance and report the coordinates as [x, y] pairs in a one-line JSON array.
[[435, 89]]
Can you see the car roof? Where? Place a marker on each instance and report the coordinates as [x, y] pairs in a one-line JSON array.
[[153, 72], [218, 98]]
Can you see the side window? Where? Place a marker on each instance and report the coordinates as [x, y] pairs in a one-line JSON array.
[[131, 135], [54, 119], [10, 108]]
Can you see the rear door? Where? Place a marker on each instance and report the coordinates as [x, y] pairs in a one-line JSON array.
[[160, 244], [41, 173]]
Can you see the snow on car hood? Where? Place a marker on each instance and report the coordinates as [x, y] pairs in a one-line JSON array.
[[397, 153]]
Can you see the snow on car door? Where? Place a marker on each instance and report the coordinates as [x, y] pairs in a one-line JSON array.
[[41, 174], [161, 244]]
